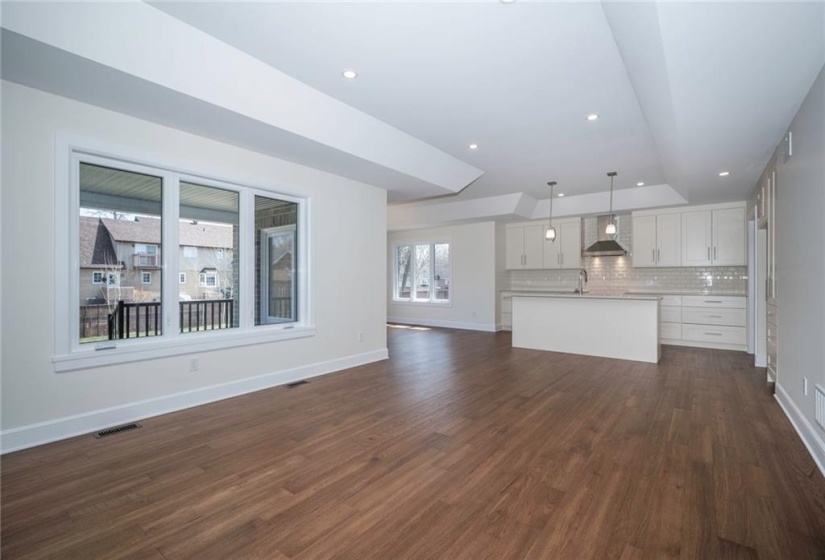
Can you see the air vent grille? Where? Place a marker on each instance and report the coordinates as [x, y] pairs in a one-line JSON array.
[[117, 430], [295, 384]]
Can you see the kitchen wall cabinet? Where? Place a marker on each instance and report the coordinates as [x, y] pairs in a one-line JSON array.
[[526, 247], [657, 239], [714, 236], [566, 251]]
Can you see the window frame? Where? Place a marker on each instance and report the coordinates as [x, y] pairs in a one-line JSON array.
[[431, 279], [181, 278], [143, 275], [203, 279], [71, 355]]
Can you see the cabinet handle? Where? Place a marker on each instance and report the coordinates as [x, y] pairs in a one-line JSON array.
[[658, 255], [712, 301], [714, 252], [653, 254], [713, 333], [708, 253], [715, 316]]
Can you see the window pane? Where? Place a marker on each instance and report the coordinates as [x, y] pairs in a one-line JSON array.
[[442, 271], [208, 238], [422, 272], [276, 277], [120, 216], [403, 271]]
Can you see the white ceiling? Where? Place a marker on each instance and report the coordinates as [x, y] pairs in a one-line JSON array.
[[683, 90]]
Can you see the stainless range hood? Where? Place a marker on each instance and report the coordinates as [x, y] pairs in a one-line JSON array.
[[606, 246]]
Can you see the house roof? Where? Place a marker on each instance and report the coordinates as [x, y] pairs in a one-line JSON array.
[[147, 230], [97, 237], [96, 247]]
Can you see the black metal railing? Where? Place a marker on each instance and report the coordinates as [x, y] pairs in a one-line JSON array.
[[142, 319]]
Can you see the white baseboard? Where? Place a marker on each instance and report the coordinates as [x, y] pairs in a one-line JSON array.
[[486, 327], [70, 426], [808, 434]]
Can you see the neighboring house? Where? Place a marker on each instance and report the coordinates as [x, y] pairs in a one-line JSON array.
[[120, 259]]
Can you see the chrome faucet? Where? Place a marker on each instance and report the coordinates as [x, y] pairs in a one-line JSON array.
[[582, 281]]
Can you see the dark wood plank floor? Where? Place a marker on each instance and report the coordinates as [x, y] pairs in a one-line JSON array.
[[458, 447]]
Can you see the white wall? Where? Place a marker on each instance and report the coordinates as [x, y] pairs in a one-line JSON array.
[[473, 282], [800, 253], [342, 258]]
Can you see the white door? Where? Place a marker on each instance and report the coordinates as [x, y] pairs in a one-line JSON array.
[[514, 248], [696, 238], [644, 241], [534, 246], [729, 237], [669, 240], [571, 245]]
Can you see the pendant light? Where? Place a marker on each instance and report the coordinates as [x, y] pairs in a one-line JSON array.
[[611, 225], [550, 234]]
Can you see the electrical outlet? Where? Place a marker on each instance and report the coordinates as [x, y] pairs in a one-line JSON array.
[[194, 364], [805, 386]]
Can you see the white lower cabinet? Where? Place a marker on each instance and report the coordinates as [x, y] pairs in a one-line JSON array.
[[717, 321]]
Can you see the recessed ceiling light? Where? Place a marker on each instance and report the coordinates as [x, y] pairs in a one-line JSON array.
[[349, 74], [724, 173], [592, 117], [640, 184], [561, 194], [473, 146], [507, 1]]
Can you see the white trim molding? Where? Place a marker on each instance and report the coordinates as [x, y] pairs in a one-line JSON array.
[[71, 426], [485, 327], [807, 433]]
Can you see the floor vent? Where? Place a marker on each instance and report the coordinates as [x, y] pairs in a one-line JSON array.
[[295, 384], [820, 406], [117, 430]]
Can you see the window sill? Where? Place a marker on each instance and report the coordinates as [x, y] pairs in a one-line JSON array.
[[137, 350], [422, 303]]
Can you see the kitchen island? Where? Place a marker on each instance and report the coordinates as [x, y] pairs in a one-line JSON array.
[[619, 326]]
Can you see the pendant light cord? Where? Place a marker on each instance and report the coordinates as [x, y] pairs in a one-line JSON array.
[[611, 196]]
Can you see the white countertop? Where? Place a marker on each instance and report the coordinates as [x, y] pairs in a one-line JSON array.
[[649, 297], [637, 292]]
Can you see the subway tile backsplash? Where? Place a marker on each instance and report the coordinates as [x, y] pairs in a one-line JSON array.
[[616, 274]]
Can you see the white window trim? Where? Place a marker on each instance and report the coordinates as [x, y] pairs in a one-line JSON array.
[[143, 277], [181, 278], [203, 279], [103, 279], [70, 355], [410, 300]]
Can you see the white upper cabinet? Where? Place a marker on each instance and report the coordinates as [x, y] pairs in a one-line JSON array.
[[571, 244], [714, 237], [697, 238], [524, 246], [657, 240], [644, 241], [566, 250], [729, 247], [527, 248]]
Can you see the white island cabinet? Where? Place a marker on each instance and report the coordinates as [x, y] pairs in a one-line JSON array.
[[623, 327]]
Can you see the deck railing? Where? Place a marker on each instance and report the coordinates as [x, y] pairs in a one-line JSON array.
[[142, 319]]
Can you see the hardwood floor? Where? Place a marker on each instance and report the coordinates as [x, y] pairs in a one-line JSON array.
[[457, 447]]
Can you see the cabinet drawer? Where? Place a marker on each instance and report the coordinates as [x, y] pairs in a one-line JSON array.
[[734, 302], [671, 301], [720, 335], [671, 331], [705, 316], [670, 314]]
